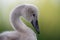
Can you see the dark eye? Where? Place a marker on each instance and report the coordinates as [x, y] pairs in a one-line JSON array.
[[34, 15]]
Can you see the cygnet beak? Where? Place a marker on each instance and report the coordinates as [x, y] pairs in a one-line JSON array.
[[35, 25]]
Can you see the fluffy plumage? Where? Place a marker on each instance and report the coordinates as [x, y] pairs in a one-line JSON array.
[[22, 32]]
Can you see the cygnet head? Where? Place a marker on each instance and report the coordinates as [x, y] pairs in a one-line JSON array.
[[30, 14]]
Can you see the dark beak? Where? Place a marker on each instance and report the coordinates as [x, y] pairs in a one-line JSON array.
[[35, 25]]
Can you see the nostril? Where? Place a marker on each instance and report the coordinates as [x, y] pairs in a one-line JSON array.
[[34, 15]]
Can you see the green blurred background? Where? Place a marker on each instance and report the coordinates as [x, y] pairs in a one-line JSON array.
[[48, 17]]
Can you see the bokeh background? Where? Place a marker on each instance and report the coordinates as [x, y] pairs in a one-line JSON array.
[[48, 17]]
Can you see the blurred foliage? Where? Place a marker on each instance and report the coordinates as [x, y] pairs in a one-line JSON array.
[[48, 17]]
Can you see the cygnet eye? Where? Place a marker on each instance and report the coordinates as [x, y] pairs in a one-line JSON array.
[[34, 15]]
